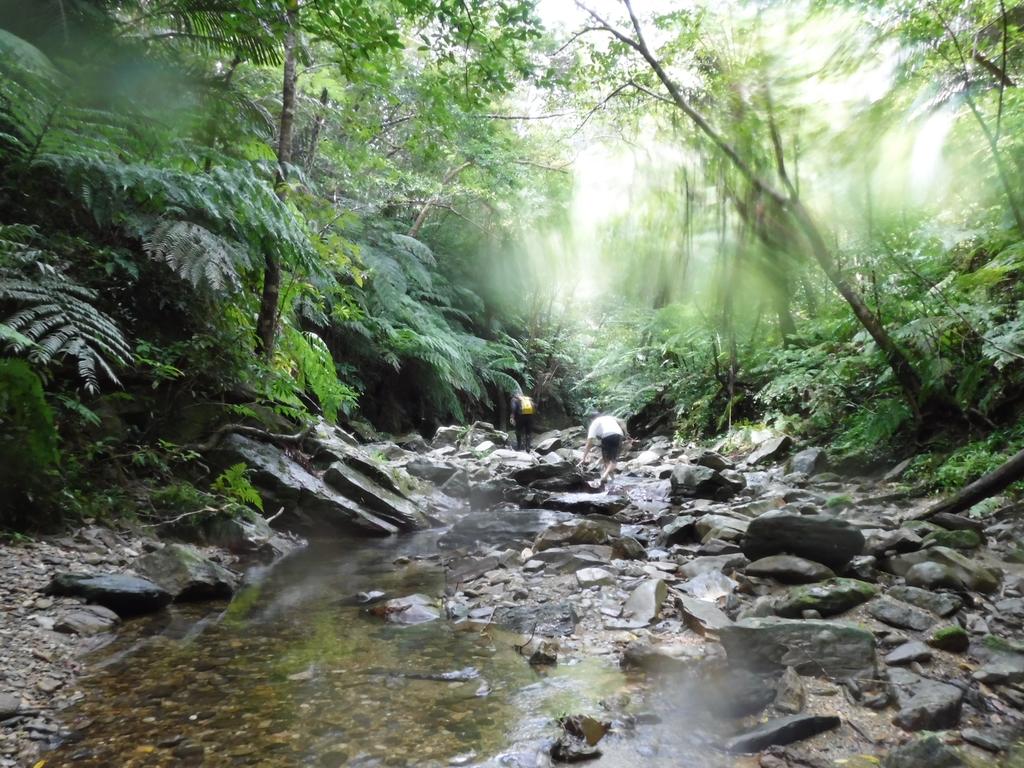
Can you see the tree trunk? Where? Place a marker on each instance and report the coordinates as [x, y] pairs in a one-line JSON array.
[[314, 134], [266, 323], [988, 485], [414, 231]]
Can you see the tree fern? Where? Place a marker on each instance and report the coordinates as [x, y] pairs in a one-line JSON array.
[[197, 255]]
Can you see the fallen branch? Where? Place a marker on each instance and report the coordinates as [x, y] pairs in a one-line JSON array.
[[255, 433], [982, 488]]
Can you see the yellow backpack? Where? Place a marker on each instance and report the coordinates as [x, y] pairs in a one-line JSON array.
[[526, 405]]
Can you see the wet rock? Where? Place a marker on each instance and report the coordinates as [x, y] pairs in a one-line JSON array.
[[185, 573], [939, 603], [953, 639], [925, 704], [585, 503], [821, 538], [825, 648], [644, 602], [808, 461], [783, 730], [770, 450], [711, 564], [549, 445], [554, 619], [701, 616], [733, 693], [383, 500], [311, 507], [789, 569], [928, 750], [710, 586], [957, 571], [660, 658], [86, 620], [952, 522], [244, 535], [593, 577], [863, 567], [827, 598], [470, 568], [990, 739], [572, 558], [790, 696], [410, 610], [125, 595], [545, 653], [458, 485], [693, 480], [581, 733], [436, 472], [902, 615], [908, 653], [556, 469], [585, 531]]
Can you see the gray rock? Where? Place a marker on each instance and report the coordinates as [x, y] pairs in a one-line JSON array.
[[939, 603], [185, 573], [593, 577], [628, 548], [680, 530], [827, 648], [410, 610], [580, 531], [86, 620], [827, 598], [990, 739], [645, 601], [952, 638], [1005, 668], [958, 571], [585, 503], [701, 616], [908, 653], [821, 538], [711, 563], [676, 659], [572, 558], [898, 541], [384, 501], [900, 614], [713, 461], [9, 705], [693, 480], [549, 445], [783, 730], [310, 506], [770, 450], [554, 619], [125, 595], [545, 653], [790, 696], [925, 704], [809, 461], [436, 472], [458, 486], [927, 751], [251, 535], [732, 693], [789, 569], [721, 527]]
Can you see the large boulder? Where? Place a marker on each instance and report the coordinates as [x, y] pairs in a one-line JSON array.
[[309, 505], [384, 501], [956, 571], [645, 601], [808, 461], [816, 648], [789, 569], [123, 594], [827, 598], [822, 538], [770, 450], [435, 471], [925, 704], [595, 530], [183, 571], [694, 480]]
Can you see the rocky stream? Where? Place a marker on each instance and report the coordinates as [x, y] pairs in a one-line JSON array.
[[459, 603]]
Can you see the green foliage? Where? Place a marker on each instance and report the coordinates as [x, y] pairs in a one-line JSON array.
[[234, 483], [28, 440]]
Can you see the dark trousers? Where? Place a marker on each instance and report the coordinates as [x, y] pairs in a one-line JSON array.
[[524, 432]]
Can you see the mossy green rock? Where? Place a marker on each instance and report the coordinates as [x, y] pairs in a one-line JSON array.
[[827, 598], [965, 539], [922, 527], [953, 639]]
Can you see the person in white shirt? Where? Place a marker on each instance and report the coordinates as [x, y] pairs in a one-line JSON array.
[[610, 432]]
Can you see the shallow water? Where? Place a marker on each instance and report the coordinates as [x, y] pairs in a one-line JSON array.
[[290, 675]]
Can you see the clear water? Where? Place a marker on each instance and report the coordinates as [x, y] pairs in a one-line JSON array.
[[290, 675]]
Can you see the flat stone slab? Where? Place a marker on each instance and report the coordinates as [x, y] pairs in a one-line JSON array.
[[702, 616], [780, 731], [902, 615], [812, 647], [123, 594], [939, 603], [821, 538], [908, 653], [925, 704], [789, 569], [827, 598]]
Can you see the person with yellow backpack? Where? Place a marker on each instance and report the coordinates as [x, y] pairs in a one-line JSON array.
[[523, 410]]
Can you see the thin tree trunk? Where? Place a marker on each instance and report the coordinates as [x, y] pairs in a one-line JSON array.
[[266, 322], [314, 134], [982, 488], [414, 231]]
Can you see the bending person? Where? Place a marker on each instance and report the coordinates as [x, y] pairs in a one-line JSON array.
[[610, 432]]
